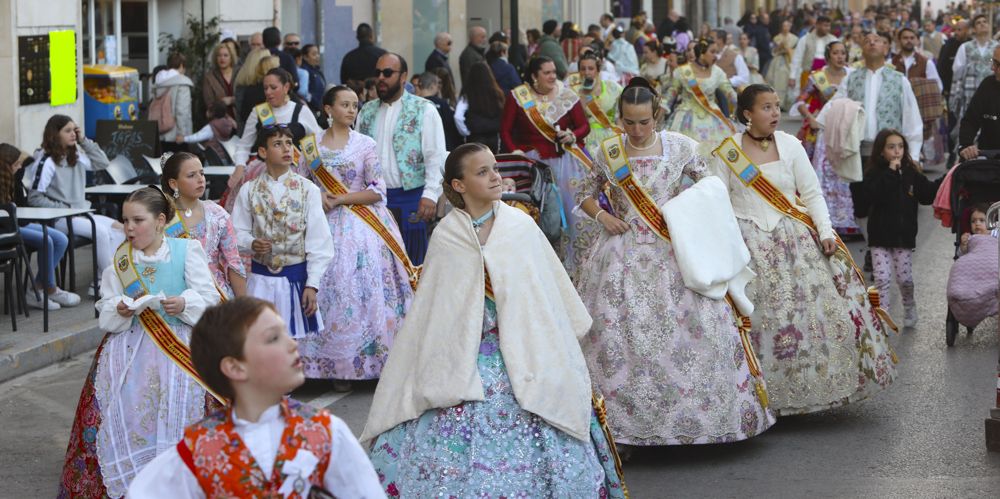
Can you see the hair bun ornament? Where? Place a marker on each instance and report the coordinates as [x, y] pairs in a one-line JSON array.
[[163, 159]]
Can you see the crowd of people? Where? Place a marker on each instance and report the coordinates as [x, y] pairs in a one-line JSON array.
[[510, 362]]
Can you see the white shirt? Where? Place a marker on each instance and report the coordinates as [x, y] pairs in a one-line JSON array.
[[913, 125], [742, 76], [461, 107], [798, 65], [283, 115], [931, 73], [431, 143], [349, 475], [199, 295], [318, 241], [958, 67]]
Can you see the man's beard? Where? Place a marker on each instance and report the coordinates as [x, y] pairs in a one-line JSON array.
[[390, 92]]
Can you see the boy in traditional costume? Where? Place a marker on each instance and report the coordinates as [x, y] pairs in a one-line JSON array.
[[279, 218], [264, 444]]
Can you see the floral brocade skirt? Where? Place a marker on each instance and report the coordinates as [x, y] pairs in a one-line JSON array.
[[820, 343], [493, 448]]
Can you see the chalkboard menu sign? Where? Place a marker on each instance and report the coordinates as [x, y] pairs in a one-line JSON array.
[[33, 69], [133, 139]]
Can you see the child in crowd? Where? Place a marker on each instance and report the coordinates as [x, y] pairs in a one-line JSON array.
[[264, 444], [219, 129], [57, 179], [895, 184], [136, 400], [12, 191], [977, 225], [279, 217]]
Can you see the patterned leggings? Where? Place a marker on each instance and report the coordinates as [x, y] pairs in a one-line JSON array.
[[885, 262]]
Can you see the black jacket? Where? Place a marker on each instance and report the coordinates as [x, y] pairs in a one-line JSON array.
[[359, 64], [287, 62], [452, 138], [893, 197], [435, 60], [983, 116], [946, 59]]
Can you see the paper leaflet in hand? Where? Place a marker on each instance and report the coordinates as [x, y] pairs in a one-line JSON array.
[[143, 302]]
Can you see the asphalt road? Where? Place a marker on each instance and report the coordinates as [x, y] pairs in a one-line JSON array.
[[923, 437]]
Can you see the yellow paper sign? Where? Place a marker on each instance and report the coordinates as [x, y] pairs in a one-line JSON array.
[[62, 66]]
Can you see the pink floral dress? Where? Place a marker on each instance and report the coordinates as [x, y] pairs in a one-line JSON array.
[[218, 238], [365, 292]]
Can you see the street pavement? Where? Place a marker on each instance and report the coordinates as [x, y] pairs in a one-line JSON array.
[[923, 437]]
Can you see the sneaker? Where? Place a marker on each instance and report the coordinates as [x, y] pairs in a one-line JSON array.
[[910, 320], [65, 298], [36, 301]]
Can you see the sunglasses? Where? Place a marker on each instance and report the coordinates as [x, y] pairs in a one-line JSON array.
[[386, 73], [292, 44], [279, 126]]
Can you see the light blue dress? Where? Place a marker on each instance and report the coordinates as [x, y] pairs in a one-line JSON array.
[[493, 448]]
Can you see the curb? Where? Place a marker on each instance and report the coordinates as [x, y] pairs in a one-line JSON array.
[[61, 346]]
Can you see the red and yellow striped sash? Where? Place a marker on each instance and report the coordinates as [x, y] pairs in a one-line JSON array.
[[527, 103], [595, 110], [614, 153], [750, 175], [335, 187], [153, 323], [686, 73]]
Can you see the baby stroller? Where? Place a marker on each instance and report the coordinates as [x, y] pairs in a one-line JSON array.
[[535, 192], [974, 181]]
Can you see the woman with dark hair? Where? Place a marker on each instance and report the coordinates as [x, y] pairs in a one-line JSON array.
[[365, 292], [821, 88], [634, 278], [57, 179], [692, 96], [533, 36], [278, 109], [183, 179], [653, 64], [817, 331], [12, 191], [599, 98], [544, 119], [480, 108], [469, 404], [447, 87]]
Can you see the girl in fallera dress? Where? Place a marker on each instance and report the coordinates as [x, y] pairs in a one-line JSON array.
[[136, 401], [486, 392], [693, 89], [645, 316], [604, 93], [820, 342], [184, 179], [821, 88], [365, 291]]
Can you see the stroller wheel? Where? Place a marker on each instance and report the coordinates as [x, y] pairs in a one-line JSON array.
[[951, 329]]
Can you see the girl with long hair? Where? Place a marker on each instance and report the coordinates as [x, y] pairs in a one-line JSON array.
[[479, 109]]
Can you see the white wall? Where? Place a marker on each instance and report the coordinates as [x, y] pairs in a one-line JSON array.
[[23, 125]]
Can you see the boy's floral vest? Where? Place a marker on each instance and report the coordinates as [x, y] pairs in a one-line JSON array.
[[282, 221], [405, 137], [890, 96], [224, 467]]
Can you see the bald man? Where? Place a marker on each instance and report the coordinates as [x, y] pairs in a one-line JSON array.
[[438, 57], [256, 41], [475, 52]]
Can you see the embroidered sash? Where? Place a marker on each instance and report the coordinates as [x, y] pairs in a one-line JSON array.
[[311, 152], [823, 85], [602, 419], [687, 74], [595, 110], [153, 323], [614, 153], [751, 176], [265, 116], [574, 79], [527, 102], [178, 230]]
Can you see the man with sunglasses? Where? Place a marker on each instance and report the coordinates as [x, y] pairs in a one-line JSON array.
[[983, 116], [411, 150], [438, 57]]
